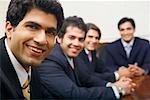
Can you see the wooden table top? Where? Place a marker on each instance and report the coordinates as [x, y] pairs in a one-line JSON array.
[[142, 90]]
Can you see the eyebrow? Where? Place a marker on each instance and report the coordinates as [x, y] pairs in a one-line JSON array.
[[33, 23], [38, 25]]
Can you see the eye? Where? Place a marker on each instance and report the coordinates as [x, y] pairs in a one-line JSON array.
[[71, 37], [97, 38], [81, 39], [90, 36], [32, 27], [51, 31], [129, 28], [122, 29]]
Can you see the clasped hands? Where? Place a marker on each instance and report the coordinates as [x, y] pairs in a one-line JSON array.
[[125, 85], [133, 70]]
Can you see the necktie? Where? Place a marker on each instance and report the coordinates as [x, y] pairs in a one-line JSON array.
[[90, 56], [128, 50], [71, 63], [26, 88]]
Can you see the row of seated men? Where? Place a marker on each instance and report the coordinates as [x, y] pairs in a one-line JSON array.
[[64, 70], [71, 70]]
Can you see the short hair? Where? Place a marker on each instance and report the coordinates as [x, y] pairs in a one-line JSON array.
[[17, 10], [73, 21], [126, 19], [94, 27]]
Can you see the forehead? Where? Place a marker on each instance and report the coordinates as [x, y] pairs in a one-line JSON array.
[[74, 31], [39, 16], [92, 32], [126, 24]]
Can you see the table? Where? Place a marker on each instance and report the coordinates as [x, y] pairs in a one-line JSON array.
[[142, 90]]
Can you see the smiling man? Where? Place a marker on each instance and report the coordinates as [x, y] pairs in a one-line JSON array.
[[130, 53], [88, 54], [30, 28], [66, 76]]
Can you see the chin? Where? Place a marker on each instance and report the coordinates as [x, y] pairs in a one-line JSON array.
[[73, 55], [35, 62], [127, 40]]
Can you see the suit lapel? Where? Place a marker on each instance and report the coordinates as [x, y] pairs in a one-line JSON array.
[[9, 70], [135, 50], [120, 49], [84, 56], [58, 53]]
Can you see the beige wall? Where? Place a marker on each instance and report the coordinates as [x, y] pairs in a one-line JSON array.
[[3, 7], [104, 13]]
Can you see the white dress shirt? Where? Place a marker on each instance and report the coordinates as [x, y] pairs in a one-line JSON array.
[[21, 72]]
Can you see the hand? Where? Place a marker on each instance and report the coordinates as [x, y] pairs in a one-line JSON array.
[[136, 70], [126, 84], [124, 72]]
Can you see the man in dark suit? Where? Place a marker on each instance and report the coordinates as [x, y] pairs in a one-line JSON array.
[[96, 65], [65, 75], [88, 54], [27, 41], [129, 52]]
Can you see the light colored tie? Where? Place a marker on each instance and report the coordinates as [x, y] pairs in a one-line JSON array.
[[128, 50], [26, 89], [71, 63], [90, 56]]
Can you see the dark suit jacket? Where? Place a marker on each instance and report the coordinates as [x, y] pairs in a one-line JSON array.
[[96, 66], [67, 83], [10, 85], [115, 55]]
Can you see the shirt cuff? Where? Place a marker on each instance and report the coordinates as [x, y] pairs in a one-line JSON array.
[[146, 72], [116, 76], [117, 95], [109, 84]]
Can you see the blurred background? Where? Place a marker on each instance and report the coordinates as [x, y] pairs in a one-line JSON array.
[[104, 13]]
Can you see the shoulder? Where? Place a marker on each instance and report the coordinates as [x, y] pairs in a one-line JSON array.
[[113, 45], [141, 41]]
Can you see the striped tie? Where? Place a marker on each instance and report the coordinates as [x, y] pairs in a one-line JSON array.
[[26, 89]]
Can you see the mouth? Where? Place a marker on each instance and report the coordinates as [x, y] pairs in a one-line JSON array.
[[36, 51], [75, 50]]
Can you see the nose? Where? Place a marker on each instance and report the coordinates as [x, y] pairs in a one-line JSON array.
[[41, 38], [76, 42]]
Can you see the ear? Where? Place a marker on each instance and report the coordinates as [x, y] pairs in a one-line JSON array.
[[58, 39], [9, 29]]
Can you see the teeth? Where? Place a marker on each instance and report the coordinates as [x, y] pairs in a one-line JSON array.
[[35, 49]]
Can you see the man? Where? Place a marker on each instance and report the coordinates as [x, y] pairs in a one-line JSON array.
[[129, 52], [88, 54], [64, 74], [30, 31], [96, 65]]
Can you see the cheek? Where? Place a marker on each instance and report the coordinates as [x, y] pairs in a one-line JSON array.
[[51, 43], [82, 45]]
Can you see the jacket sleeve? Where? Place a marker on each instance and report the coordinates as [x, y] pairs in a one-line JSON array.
[[146, 60]]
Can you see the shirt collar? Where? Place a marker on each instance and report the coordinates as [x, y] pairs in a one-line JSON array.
[[125, 44], [21, 72], [86, 51]]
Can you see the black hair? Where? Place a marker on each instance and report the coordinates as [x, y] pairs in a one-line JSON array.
[[126, 19], [17, 10], [94, 27], [72, 21]]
